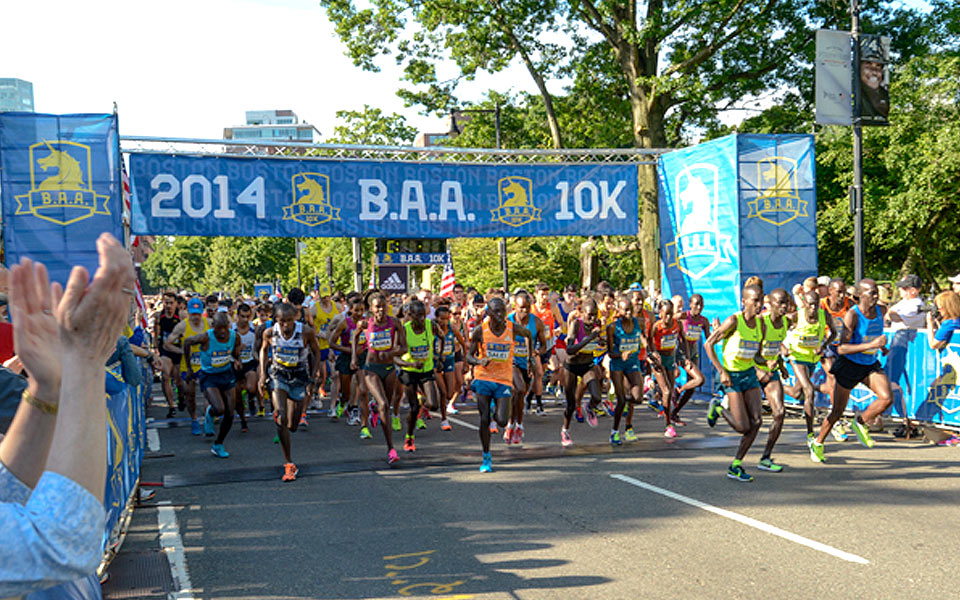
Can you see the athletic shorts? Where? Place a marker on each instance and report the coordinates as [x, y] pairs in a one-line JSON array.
[[380, 370], [324, 354], [250, 365], [578, 369], [415, 378], [491, 389], [741, 381], [174, 356], [694, 354], [669, 361], [223, 380], [295, 389], [631, 365], [183, 375], [457, 356], [342, 364], [811, 366], [449, 364], [524, 374], [849, 373], [831, 351], [545, 356]]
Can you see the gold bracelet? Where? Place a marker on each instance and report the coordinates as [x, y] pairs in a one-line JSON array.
[[50, 409]]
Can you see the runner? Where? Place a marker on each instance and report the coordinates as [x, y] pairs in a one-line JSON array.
[[584, 333], [643, 316], [195, 323], [547, 363], [837, 304], [453, 342], [247, 378], [770, 369], [665, 355], [341, 330], [164, 322], [625, 338], [491, 354], [525, 372], [385, 341], [812, 333], [290, 341], [742, 335], [325, 310], [862, 337], [417, 368], [219, 352], [694, 326]]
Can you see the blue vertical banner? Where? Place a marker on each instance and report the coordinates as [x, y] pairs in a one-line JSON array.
[[778, 208], [60, 188], [699, 224]]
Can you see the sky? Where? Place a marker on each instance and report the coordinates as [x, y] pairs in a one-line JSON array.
[[189, 68]]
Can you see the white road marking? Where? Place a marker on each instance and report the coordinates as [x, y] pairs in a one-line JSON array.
[[153, 440], [745, 520], [464, 423], [172, 545]]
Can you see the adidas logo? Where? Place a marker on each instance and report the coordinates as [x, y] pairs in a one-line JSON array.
[[393, 283]]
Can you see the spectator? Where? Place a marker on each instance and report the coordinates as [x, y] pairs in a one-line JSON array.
[[955, 283], [52, 478], [823, 286], [6, 332], [945, 321], [908, 313]]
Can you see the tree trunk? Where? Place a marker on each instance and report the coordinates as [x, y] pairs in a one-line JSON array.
[[649, 132]]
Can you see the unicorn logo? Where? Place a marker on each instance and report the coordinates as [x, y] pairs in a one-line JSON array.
[[778, 201], [311, 200], [698, 246], [516, 202], [66, 195]]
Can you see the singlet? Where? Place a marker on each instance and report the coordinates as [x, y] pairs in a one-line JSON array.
[[379, 336], [166, 326], [289, 353], [520, 343], [805, 338], [549, 323], [449, 342], [348, 331], [693, 327], [419, 346], [216, 359], [247, 341], [645, 325], [772, 338], [592, 347], [628, 342], [866, 330], [836, 315], [665, 337], [740, 348], [499, 349], [321, 321], [195, 349]]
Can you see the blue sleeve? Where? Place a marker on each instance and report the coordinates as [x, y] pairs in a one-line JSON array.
[[946, 330], [132, 373], [12, 489], [56, 537]]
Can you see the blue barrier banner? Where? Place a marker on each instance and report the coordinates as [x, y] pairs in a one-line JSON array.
[[60, 184], [282, 197], [699, 233]]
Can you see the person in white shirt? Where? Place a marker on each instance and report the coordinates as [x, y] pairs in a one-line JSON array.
[[908, 313]]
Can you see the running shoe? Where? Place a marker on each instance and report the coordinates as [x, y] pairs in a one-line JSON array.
[[629, 435], [374, 414], [816, 450], [195, 427], [767, 464], [340, 409], [451, 409], [353, 417], [738, 474], [565, 439], [395, 423], [579, 414], [243, 427], [862, 434], [518, 435], [487, 464], [420, 423], [493, 427], [424, 413], [839, 432], [276, 439], [218, 451], [713, 413], [208, 423], [261, 412], [540, 411], [670, 432], [365, 434], [408, 445], [609, 408], [950, 441], [508, 434], [276, 417], [445, 425], [591, 416], [171, 413], [290, 472], [679, 422], [303, 420], [615, 439], [654, 405], [392, 456]]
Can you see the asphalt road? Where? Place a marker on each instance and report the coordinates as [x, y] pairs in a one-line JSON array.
[[654, 519]]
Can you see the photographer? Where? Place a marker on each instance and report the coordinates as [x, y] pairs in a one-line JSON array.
[[944, 320]]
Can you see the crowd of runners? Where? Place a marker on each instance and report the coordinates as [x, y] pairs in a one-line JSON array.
[[602, 352]]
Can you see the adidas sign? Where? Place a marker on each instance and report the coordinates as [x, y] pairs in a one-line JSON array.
[[393, 283]]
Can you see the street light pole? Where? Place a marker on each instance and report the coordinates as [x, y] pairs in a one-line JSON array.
[[856, 191]]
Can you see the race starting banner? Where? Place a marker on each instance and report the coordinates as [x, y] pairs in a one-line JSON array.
[[284, 197]]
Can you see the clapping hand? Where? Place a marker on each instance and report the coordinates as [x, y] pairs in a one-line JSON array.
[[35, 328]]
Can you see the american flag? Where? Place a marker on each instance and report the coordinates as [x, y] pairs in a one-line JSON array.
[[316, 282], [134, 241], [449, 278], [276, 288], [373, 278]]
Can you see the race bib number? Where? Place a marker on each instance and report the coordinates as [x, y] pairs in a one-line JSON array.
[[287, 356], [220, 358], [771, 350], [195, 359], [693, 333], [809, 342], [498, 352], [246, 352], [747, 349], [668, 342], [629, 346], [380, 340], [322, 331], [520, 349], [591, 347], [866, 340], [420, 352]]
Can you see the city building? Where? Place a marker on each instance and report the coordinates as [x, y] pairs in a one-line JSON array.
[[16, 95], [272, 126]]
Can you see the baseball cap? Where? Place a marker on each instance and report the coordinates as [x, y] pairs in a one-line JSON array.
[[324, 289], [909, 281], [195, 306], [955, 278], [823, 280], [635, 287]]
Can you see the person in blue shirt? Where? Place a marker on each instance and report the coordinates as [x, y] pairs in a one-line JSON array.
[[948, 305]]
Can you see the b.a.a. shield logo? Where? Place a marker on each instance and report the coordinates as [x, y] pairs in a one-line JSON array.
[[61, 187], [778, 201], [699, 245], [516, 202], [311, 200]]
